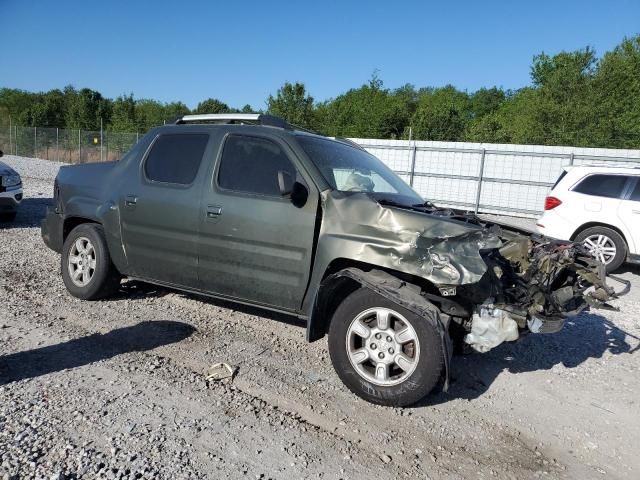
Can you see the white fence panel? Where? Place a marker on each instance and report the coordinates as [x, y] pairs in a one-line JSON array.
[[485, 177]]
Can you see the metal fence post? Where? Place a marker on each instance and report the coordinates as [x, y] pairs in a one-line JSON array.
[[412, 173], [16, 138], [57, 146], [101, 152], [480, 175], [79, 147], [571, 158], [35, 141]]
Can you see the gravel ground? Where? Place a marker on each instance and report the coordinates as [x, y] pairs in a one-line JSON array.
[[116, 389]]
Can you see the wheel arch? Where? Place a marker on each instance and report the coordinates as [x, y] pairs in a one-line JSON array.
[[584, 226], [72, 222]]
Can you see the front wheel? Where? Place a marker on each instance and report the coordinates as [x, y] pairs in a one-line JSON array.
[[383, 352], [87, 270]]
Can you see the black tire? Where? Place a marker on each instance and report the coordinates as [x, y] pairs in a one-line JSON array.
[[615, 237], [8, 217], [105, 279], [412, 389]]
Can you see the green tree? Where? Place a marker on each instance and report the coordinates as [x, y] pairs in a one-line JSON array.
[[293, 104], [370, 111], [123, 116], [616, 96], [213, 105], [442, 114], [84, 108]]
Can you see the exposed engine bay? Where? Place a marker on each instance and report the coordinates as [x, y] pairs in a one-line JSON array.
[[533, 284]]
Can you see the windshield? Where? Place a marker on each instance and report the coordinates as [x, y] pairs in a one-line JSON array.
[[349, 169]]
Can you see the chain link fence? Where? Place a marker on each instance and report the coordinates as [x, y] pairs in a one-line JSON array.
[[66, 145]]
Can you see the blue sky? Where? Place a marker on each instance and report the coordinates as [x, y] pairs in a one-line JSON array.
[[242, 51]]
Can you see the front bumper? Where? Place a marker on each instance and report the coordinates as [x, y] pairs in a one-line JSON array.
[[10, 200], [51, 230]]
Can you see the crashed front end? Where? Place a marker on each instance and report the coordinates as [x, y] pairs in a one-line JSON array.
[[492, 283], [534, 284]]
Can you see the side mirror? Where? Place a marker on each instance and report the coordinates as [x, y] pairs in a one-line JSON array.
[[296, 191], [299, 195], [285, 183], [1, 154]]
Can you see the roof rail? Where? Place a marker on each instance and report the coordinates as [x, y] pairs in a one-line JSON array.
[[250, 118]]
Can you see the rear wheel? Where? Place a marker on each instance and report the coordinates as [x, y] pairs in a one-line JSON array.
[[87, 270], [383, 352], [605, 244]]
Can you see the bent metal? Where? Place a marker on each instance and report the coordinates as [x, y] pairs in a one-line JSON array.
[[248, 208]]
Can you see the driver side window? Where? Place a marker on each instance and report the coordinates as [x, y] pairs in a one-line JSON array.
[[251, 164]]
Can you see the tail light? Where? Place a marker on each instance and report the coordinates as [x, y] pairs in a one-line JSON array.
[[551, 202]]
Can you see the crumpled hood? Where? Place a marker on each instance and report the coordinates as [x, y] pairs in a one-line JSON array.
[[6, 170], [443, 250]]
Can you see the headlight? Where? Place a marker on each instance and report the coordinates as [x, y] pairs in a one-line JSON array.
[[11, 180]]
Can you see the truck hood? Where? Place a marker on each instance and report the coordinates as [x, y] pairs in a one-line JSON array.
[[441, 248]]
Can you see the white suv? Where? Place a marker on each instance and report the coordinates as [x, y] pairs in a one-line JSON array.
[[598, 206]]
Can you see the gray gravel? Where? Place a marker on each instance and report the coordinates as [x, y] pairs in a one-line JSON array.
[[116, 389]]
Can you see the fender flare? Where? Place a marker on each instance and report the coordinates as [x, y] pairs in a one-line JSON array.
[[408, 296]]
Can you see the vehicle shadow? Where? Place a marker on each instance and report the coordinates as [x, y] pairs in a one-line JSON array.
[[587, 336], [93, 348], [134, 289], [30, 213]]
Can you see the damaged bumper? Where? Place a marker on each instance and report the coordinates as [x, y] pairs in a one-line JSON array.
[[540, 283]]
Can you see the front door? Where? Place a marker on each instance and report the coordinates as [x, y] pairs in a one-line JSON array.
[[160, 210], [255, 244]]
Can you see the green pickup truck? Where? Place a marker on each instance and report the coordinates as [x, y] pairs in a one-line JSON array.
[[247, 208]]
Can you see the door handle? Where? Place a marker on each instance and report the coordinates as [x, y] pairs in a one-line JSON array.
[[130, 200], [213, 211]]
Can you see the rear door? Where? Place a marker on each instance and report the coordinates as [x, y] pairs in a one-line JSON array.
[[255, 245], [600, 196], [160, 209], [629, 214]]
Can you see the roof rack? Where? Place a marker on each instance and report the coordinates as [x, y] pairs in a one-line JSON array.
[[242, 118]]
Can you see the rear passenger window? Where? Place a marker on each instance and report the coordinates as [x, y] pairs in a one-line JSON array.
[[602, 185], [251, 164], [635, 195], [176, 158]]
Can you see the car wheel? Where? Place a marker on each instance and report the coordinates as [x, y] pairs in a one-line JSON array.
[[383, 352], [605, 244], [8, 217], [87, 270]]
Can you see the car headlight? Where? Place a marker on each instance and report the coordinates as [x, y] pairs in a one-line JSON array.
[[11, 180]]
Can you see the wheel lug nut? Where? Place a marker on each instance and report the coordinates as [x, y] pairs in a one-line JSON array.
[[391, 351], [373, 346], [389, 338], [381, 355], [378, 336]]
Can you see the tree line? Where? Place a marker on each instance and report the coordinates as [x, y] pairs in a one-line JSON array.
[[575, 98]]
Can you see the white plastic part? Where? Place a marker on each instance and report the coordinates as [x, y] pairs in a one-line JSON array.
[[490, 328]]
